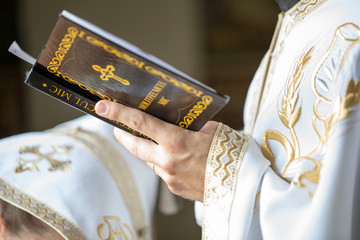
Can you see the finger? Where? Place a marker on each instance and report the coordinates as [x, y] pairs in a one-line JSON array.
[[153, 167], [139, 147], [136, 119], [150, 165], [158, 171], [210, 127]]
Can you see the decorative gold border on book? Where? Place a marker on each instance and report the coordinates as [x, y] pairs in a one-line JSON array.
[[141, 65], [196, 111], [224, 161], [63, 48], [40, 210], [69, 39]]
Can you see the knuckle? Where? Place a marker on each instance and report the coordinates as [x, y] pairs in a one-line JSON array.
[[172, 184], [138, 121], [170, 168], [113, 112], [133, 148], [176, 189]]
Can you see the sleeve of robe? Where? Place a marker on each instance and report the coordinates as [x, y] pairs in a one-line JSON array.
[[246, 199]]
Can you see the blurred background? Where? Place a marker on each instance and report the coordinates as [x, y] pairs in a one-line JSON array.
[[220, 43]]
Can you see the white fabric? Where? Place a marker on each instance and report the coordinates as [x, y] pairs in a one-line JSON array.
[[308, 123], [146, 180], [84, 200]]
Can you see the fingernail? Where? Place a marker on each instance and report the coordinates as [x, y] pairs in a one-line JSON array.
[[101, 108]]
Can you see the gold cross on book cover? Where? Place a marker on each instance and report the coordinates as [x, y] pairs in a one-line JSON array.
[[82, 64]]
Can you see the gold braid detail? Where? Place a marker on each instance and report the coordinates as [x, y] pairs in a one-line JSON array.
[[40, 210], [224, 161]]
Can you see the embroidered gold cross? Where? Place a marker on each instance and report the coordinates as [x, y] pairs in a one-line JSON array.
[[108, 72], [32, 164]]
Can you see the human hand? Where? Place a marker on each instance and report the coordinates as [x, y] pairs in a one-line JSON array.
[[180, 156]]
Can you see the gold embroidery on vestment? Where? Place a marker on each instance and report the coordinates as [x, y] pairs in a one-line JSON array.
[[284, 26], [33, 163], [115, 229], [119, 170], [36, 208], [256, 203], [324, 80], [224, 160], [289, 116], [306, 7], [323, 84]]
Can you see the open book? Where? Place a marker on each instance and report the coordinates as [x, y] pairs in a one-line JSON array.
[[82, 64]]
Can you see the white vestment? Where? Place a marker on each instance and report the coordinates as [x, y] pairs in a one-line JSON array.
[[79, 180], [293, 173]]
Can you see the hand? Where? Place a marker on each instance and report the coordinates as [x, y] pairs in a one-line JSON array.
[[180, 155]]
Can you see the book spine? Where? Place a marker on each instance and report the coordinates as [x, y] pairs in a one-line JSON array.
[[70, 97]]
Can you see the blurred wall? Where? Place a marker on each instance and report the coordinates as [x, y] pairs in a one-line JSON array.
[[238, 33]]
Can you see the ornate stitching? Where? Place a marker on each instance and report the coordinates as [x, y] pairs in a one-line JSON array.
[[224, 161], [40, 210]]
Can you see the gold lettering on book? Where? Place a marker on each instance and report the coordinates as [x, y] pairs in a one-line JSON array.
[[174, 81], [143, 66], [58, 91], [163, 101], [196, 111], [70, 80], [116, 52], [108, 72], [159, 86], [84, 104], [63, 48]]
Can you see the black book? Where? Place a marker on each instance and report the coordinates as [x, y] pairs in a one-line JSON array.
[[82, 64]]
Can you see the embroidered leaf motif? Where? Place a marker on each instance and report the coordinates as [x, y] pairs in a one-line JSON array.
[[294, 118], [351, 99], [328, 73], [323, 85], [312, 175], [289, 115], [284, 119]]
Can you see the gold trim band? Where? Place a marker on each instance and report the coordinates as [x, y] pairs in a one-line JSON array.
[[224, 161], [40, 210]]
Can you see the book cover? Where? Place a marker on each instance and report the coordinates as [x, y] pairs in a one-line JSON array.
[[82, 64]]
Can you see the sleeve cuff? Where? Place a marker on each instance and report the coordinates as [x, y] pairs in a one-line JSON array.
[[225, 157]]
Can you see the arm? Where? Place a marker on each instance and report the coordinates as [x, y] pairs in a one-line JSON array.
[[321, 201], [239, 188], [244, 197]]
